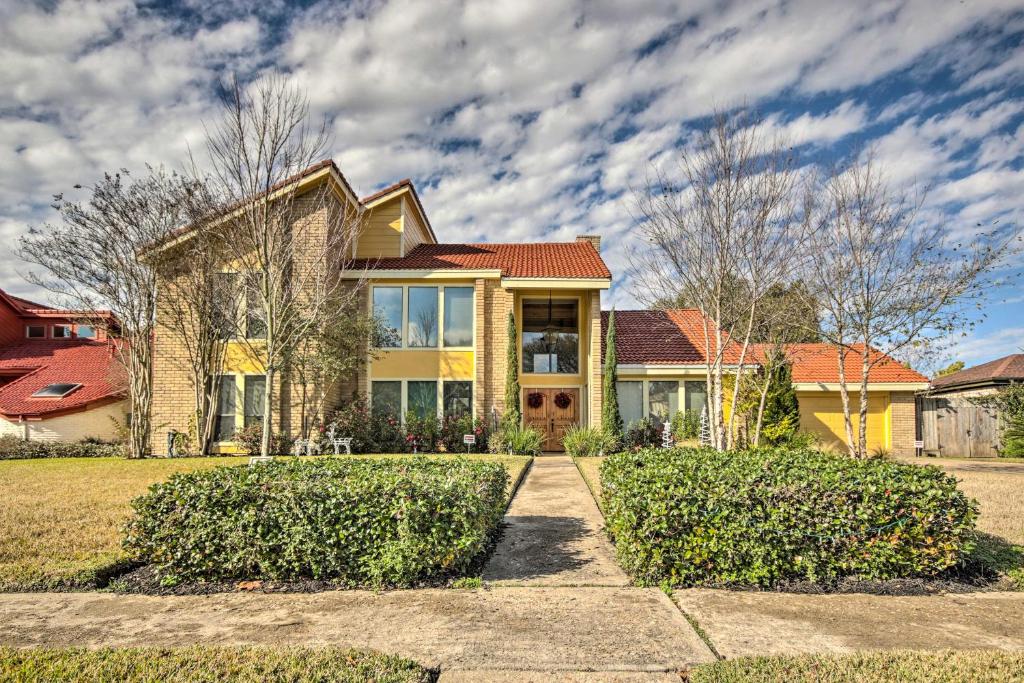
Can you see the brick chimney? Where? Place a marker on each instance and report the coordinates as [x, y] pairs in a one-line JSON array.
[[593, 239]]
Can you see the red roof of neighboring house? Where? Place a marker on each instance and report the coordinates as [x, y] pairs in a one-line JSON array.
[[676, 337], [537, 259], [1005, 369], [41, 363]]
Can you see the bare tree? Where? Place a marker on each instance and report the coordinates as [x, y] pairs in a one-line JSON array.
[[728, 223], [289, 244], [887, 280], [198, 305], [93, 259]]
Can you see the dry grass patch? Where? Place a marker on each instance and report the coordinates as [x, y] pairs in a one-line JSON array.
[[590, 468], [61, 518], [198, 664], [977, 666]]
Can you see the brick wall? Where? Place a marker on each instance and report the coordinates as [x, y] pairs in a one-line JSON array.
[[492, 306], [901, 407]]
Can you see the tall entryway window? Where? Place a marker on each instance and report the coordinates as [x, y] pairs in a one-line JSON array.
[[551, 412], [551, 336]]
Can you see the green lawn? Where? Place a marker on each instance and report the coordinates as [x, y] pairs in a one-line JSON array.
[[61, 518], [199, 664], [973, 666]]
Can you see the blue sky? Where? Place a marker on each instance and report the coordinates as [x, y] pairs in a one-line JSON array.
[[529, 120]]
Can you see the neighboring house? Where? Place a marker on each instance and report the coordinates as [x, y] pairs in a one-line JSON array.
[[446, 307], [59, 380], [951, 424], [663, 368]]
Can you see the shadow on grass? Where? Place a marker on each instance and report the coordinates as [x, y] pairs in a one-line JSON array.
[[993, 559]]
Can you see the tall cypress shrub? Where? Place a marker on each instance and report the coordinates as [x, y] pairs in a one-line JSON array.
[[781, 408], [513, 416], [611, 419]]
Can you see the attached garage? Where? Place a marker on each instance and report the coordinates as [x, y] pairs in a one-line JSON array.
[[822, 414]]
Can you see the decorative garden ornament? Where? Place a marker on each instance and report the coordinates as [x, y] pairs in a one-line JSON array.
[[705, 428], [666, 436]]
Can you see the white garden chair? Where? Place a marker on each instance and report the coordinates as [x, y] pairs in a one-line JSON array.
[[260, 459]]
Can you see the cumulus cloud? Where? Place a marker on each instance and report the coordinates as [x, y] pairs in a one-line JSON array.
[[524, 120]]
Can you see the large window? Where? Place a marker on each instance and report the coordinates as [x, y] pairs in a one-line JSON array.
[[631, 401], [387, 398], [458, 399], [255, 323], [423, 317], [458, 316], [387, 306], [225, 304], [416, 317], [422, 398], [35, 332], [224, 427], [62, 331], [85, 332], [255, 393], [663, 401], [551, 336], [696, 396]]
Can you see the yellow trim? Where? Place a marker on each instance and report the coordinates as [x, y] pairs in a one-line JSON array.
[[855, 387], [435, 274], [555, 283], [425, 364]]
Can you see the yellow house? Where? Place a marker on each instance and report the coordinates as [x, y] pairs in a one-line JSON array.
[[446, 309], [662, 368]]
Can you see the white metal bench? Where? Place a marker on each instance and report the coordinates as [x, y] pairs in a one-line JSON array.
[[259, 459]]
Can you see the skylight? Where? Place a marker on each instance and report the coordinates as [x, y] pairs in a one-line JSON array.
[[55, 390]]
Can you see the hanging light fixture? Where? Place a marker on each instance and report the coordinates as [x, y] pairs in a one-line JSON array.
[[550, 330]]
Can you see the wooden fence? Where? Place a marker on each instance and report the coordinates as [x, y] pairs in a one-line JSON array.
[[956, 427]]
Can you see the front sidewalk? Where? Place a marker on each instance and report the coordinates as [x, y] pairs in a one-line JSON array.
[[552, 533]]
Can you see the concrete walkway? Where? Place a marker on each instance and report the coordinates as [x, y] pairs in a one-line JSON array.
[[552, 534], [472, 631]]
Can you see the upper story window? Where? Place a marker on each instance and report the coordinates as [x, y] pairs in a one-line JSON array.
[[551, 336], [423, 317], [55, 390], [61, 331], [35, 331], [387, 306], [225, 304], [458, 316], [85, 332], [419, 317]]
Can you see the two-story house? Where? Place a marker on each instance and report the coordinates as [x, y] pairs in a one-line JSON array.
[[446, 308]]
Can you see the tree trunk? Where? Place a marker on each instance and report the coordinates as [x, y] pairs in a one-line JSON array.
[[844, 394], [760, 407], [268, 402], [862, 435]]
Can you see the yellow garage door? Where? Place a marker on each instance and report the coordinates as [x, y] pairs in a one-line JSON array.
[[822, 414]]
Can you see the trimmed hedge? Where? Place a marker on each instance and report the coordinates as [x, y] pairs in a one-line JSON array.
[[357, 522], [13, 448], [758, 518]]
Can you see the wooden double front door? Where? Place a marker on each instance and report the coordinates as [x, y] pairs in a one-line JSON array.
[[541, 410]]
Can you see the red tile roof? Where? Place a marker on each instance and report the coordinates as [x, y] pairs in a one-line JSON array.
[[1000, 370], [657, 337], [676, 337], [537, 259], [820, 363], [41, 363]]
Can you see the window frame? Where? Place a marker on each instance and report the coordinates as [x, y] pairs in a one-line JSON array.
[[245, 400], [439, 382], [64, 326], [221, 379], [28, 334], [443, 409], [521, 331], [404, 332], [78, 334], [437, 318]]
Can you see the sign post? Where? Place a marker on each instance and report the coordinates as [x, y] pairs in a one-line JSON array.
[[469, 440], [918, 447]]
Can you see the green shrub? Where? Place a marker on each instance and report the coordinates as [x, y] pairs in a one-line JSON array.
[[642, 434], [761, 517], [250, 440], [13, 448], [686, 425], [359, 522], [516, 440], [453, 428], [587, 442], [421, 433]]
